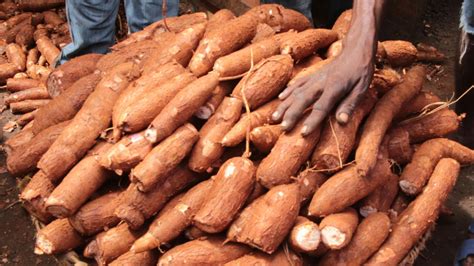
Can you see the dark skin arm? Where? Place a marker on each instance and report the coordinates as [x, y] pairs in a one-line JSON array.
[[346, 78]]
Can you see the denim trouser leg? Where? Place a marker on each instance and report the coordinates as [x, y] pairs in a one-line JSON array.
[[302, 6], [92, 27], [467, 16], [141, 13]]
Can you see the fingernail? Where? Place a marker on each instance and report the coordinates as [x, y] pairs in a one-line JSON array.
[[284, 124], [275, 115], [343, 117], [281, 95], [305, 130]]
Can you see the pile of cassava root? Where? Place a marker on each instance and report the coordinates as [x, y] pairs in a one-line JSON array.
[[31, 35], [165, 153]]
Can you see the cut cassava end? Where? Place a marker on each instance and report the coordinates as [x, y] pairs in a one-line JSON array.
[[265, 137], [63, 77], [305, 235], [346, 188], [96, 215], [48, 49], [28, 94], [414, 221], [337, 140], [162, 159], [231, 36], [259, 117], [307, 42], [34, 197], [382, 116], [27, 105], [241, 61], [175, 217], [182, 107], [66, 105], [231, 187], [135, 206], [287, 156], [265, 223], [381, 198], [265, 81], [24, 159], [337, 229], [368, 238], [80, 183], [14, 85], [220, 92], [283, 257], [56, 238], [207, 251], [209, 149], [87, 124], [417, 173], [112, 243]]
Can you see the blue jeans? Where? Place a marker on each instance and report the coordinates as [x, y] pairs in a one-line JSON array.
[[467, 16], [92, 22]]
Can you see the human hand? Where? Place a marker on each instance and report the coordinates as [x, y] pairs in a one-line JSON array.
[[348, 75]]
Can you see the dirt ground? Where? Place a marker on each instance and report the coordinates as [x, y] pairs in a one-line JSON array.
[[439, 27]]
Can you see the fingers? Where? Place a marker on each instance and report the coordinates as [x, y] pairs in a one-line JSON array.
[[295, 110], [320, 110], [347, 106], [281, 109], [299, 83]]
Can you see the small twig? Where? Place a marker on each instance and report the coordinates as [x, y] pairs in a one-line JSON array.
[[11, 205], [330, 169], [337, 143], [247, 152], [234, 77]]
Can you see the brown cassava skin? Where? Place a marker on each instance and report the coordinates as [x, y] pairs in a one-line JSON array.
[[25, 36], [34, 197], [47, 49], [66, 105], [145, 98], [28, 94], [285, 159], [17, 19], [209, 149], [232, 185], [220, 92], [39, 5], [96, 215], [385, 79], [419, 216], [263, 32], [400, 53], [343, 23], [7, 71], [265, 81], [303, 64], [40, 32], [38, 72], [282, 258], [309, 70], [382, 116], [16, 56], [26, 118], [381, 199], [182, 107], [14, 85], [32, 57], [11, 32], [265, 223], [231, 36], [369, 236], [279, 18], [205, 251], [346, 188], [217, 19], [307, 42], [417, 173], [24, 159], [305, 236], [17, 140], [429, 54], [259, 117], [135, 206], [136, 52], [111, 244], [127, 153], [28, 105], [56, 238], [399, 147], [337, 229], [309, 181], [63, 77], [338, 140], [265, 137], [147, 258], [87, 124], [52, 18], [400, 203], [175, 217], [162, 159], [257, 191], [193, 233], [416, 105], [175, 25], [240, 61], [80, 183]]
